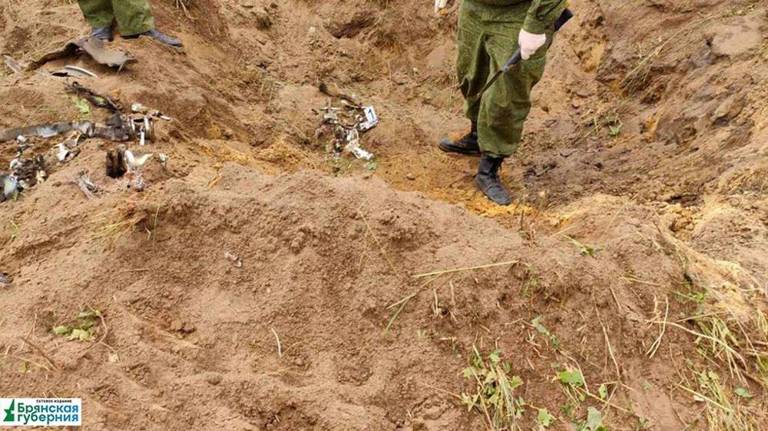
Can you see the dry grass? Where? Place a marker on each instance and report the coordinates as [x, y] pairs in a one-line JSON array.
[[723, 412], [115, 224]]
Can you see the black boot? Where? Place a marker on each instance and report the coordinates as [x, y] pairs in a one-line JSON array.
[[103, 33], [158, 36], [466, 145], [488, 181]]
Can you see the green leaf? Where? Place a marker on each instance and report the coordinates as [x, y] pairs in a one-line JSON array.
[[572, 378], [555, 342], [490, 377], [495, 357], [545, 419], [743, 392], [567, 409], [81, 335], [539, 327], [594, 419], [83, 106], [603, 391], [62, 330], [515, 382], [468, 401], [615, 130], [90, 314], [468, 373]]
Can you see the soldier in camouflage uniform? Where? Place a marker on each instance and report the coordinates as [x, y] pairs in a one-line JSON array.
[[490, 31], [134, 18]]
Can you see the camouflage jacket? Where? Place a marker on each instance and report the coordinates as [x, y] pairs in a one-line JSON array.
[[537, 16]]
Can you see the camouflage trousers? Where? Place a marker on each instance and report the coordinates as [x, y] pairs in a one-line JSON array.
[[487, 38], [132, 16]]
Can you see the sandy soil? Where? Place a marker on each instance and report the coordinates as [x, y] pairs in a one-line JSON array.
[[257, 282]]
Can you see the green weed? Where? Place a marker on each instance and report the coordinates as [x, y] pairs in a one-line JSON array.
[[81, 328], [494, 391]]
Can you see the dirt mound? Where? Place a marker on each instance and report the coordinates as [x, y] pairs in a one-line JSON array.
[[316, 261], [261, 283]]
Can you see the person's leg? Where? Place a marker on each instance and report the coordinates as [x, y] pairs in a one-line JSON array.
[[472, 71], [506, 105], [473, 61], [134, 17], [99, 15]]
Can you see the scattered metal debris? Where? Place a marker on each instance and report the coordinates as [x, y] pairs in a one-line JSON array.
[[47, 130], [25, 174], [142, 126], [95, 98], [234, 259], [119, 127], [85, 184], [121, 162], [68, 149], [138, 108], [371, 119], [139, 124], [10, 187], [116, 164], [91, 46], [28, 172], [352, 138], [70, 71], [135, 163], [346, 123], [63, 154], [325, 89]]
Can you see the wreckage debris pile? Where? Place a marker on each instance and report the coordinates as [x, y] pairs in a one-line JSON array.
[[137, 125], [344, 123]]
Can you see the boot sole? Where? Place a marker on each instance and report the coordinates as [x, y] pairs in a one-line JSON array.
[[503, 204], [136, 36], [448, 147]]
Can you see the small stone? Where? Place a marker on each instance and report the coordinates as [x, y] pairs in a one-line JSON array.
[[5, 280], [177, 325], [263, 20], [188, 328], [297, 244], [411, 177], [583, 92], [213, 378]]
